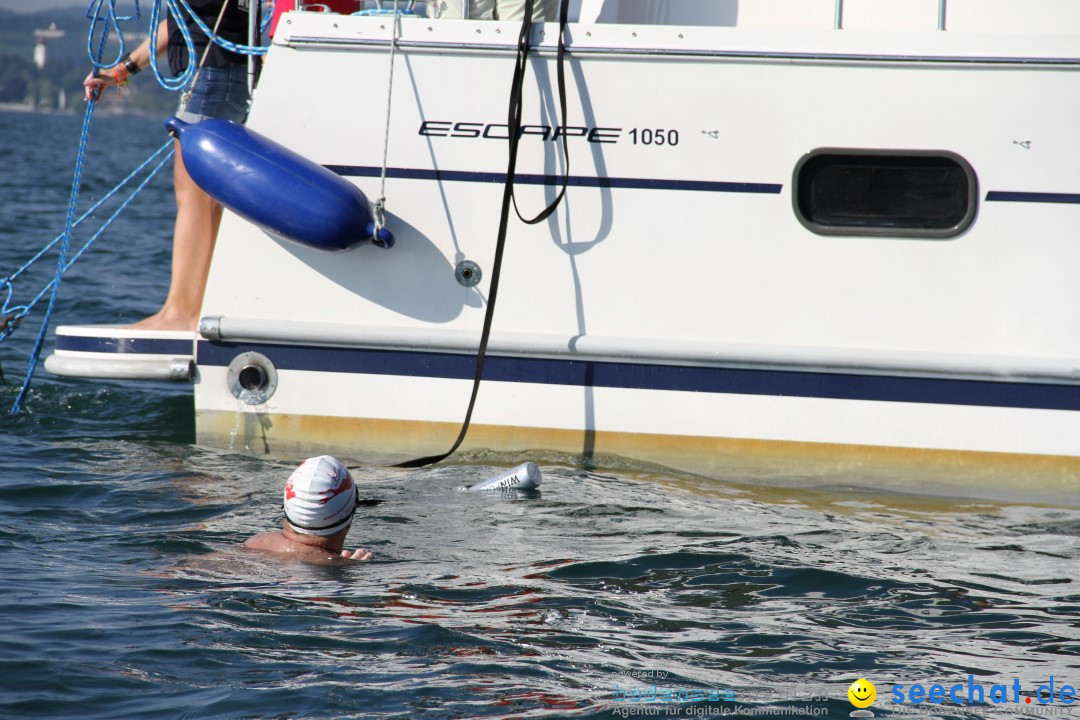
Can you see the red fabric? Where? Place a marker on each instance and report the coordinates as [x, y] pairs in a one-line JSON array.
[[345, 7]]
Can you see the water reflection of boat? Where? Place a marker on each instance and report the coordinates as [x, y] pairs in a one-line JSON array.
[[823, 252]]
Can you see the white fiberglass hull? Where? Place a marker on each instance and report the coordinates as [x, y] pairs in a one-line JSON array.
[[677, 309]]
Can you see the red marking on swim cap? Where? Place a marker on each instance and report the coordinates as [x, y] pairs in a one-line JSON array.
[[289, 492], [334, 492]]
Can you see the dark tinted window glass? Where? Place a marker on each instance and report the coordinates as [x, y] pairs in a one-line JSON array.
[[881, 194]]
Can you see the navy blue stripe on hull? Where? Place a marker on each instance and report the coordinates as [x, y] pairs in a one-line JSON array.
[[135, 346], [1034, 197], [578, 373], [641, 183], [556, 180]]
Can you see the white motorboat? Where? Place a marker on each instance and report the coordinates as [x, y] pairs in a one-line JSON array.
[[803, 241]]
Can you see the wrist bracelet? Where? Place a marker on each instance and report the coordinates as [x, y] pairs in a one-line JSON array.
[[130, 65], [120, 75]]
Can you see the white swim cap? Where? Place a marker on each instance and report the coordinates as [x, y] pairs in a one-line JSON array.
[[320, 497]]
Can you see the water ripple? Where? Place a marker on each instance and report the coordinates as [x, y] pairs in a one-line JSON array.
[[127, 593]]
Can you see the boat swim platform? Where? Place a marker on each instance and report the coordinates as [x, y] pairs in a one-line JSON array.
[[123, 353]]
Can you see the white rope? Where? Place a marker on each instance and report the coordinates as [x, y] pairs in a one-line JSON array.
[[380, 204], [209, 44]]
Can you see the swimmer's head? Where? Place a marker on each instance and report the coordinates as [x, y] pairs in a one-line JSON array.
[[320, 497]]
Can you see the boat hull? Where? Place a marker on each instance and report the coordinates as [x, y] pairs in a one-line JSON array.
[[892, 434], [683, 307]]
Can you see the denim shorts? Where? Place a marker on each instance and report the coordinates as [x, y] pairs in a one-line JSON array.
[[219, 92]]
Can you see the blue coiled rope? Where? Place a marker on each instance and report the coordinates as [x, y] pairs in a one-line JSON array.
[[178, 8], [65, 240], [12, 315], [112, 20]]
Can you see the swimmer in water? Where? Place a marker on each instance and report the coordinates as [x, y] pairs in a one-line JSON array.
[[320, 499]]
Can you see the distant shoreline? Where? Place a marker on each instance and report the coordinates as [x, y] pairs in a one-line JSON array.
[[17, 107], [54, 6], [111, 112]]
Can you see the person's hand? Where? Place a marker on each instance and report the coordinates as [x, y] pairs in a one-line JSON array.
[[358, 554], [98, 84]]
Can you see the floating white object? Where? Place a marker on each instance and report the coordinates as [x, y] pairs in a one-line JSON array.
[[524, 477]]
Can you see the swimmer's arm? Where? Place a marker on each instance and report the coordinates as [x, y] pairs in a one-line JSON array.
[[359, 554]]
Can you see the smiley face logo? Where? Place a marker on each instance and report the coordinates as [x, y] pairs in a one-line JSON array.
[[862, 693]]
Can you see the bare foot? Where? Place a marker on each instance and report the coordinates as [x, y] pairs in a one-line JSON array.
[[160, 321]]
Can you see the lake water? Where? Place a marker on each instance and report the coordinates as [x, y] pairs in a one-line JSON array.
[[125, 593]]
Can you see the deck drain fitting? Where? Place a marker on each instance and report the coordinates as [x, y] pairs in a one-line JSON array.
[[252, 378], [468, 273]]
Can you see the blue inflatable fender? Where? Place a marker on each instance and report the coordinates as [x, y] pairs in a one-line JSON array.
[[271, 186]]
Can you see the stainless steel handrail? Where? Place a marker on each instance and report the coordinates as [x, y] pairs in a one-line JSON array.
[[550, 51], [996, 368]]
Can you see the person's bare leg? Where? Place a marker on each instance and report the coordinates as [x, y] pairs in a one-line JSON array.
[[198, 217]]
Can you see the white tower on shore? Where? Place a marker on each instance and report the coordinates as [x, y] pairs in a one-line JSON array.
[[49, 33]]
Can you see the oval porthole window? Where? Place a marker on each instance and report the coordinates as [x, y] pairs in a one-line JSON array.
[[885, 193]]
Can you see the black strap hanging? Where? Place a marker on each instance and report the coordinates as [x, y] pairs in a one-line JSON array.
[[514, 123]]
